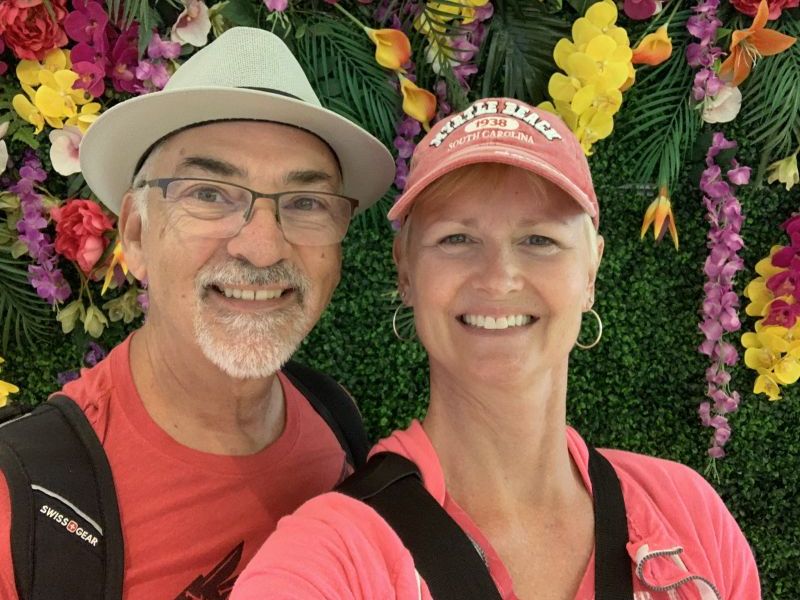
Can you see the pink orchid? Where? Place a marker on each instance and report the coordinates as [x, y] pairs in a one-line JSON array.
[[64, 147], [193, 24]]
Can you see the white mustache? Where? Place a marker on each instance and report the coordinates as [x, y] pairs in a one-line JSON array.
[[241, 273]]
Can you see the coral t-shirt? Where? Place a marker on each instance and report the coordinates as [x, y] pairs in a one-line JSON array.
[[683, 542], [191, 520]]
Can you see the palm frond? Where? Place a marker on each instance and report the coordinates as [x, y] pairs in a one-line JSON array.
[[340, 63], [143, 12], [658, 121], [518, 52], [24, 318], [771, 102]]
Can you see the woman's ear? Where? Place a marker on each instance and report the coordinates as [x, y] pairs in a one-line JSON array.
[[593, 274], [130, 233], [401, 261]]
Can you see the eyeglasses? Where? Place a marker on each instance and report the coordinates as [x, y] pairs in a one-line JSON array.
[[219, 210]]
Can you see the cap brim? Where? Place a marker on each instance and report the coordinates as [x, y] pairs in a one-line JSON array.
[[489, 154], [114, 144]]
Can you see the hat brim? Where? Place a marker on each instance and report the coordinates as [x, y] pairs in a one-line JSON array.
[[488, 154], [113, 145]]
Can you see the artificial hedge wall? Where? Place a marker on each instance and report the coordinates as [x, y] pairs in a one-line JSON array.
[[638, 390]]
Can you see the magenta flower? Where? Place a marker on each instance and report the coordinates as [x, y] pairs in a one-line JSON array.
[[639, 10], [91, 77], [87, 23], [124, 60], [3, 65]]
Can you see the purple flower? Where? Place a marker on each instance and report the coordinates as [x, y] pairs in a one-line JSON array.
[[158, 48], [94, 354], [739, 175], [279, 5], [65, 377]]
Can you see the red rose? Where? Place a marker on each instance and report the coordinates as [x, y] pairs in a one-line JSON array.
[[749, 7], [28, 28], [80, 225]]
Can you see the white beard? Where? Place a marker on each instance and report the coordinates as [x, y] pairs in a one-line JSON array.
[[251, 346]]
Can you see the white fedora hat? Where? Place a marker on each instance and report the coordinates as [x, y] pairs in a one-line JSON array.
[[245, 73]]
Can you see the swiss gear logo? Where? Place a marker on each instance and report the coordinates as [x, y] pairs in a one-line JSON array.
[[72, 526]]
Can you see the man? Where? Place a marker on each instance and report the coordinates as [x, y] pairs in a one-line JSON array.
[[208, 443]]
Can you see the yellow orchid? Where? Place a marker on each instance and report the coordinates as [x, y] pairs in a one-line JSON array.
[[604, 62], [600, 19], [593, 126], [654, 49], [765, 384], [392, 48], [760, 297], [87, 114], [747, 45], [55, 60], [785, 171], [28, 111], [56, 98], [606, 100], [659, 214], [117, 258], [6, 389], [418, 104]]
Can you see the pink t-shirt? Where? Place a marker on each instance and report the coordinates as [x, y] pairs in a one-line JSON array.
[[684, 544], [187, 514]]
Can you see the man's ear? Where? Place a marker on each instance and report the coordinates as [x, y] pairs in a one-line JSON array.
[[593, 274], [398, 253], [130, 233]]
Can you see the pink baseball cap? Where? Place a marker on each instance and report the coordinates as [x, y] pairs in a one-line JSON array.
[[501, 130]]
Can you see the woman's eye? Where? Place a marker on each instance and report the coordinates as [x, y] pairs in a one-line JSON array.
[[454, 239], [539, 240]]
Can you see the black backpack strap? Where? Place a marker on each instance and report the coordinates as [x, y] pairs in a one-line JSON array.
[[444, 555], [613, 575], [66, 537], [335, 406]]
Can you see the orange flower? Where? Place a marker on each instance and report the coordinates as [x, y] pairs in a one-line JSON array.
[[392, 48], [747, 45], [418, 104], [659, 214], [654, 49], [117, 258]]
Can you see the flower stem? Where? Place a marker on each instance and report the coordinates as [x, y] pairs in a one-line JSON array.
[[342, 10]]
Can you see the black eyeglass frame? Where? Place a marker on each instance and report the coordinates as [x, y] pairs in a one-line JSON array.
[[162, 183]]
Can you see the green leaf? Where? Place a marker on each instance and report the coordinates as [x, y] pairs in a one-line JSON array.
[[658, 120], [18, 248], [771, 103], [240, 12], [27, 136], [517, 56], [24, 317]]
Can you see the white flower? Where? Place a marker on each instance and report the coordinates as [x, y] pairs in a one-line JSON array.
[[64, 146], [193, 24], [723, 107], [3, 149]]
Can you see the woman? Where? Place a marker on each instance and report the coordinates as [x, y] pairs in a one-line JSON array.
[[497, 255]]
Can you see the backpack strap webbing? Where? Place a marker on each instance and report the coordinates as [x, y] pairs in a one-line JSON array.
[[613, 577], [444, 555], [335, 406], [66, 537]]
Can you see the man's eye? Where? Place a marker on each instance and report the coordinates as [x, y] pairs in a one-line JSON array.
[[211, 195], [306, 203]]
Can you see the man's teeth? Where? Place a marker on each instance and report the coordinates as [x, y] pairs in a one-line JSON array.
[[497, 322], [251, 294]]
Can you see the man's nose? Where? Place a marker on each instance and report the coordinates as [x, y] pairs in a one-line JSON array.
[[260, 241]]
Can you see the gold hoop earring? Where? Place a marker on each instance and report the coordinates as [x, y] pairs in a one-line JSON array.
[[599, 332], [394, 325]]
